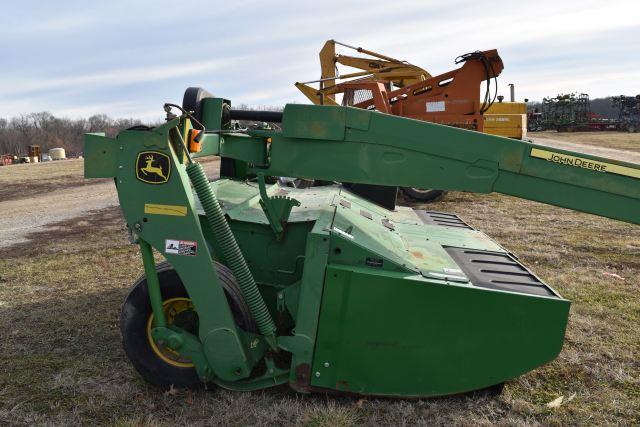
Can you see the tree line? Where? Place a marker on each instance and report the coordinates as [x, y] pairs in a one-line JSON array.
[[48, 131]]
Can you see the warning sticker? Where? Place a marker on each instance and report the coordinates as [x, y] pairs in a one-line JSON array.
[[435, 106], [180, 247]]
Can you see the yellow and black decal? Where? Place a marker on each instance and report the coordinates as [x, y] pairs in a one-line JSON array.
[[153, 167], [584, 163], [171, 210]]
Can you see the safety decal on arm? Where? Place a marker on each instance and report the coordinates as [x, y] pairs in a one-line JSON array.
[[180, 247]]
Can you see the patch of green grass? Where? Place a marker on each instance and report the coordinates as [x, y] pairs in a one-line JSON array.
[[331, 415]]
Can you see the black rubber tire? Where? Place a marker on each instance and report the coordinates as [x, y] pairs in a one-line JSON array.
[[423, 195], [135, 315], [192, 100]]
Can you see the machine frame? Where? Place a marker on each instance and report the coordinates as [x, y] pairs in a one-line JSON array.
[[322, 261]]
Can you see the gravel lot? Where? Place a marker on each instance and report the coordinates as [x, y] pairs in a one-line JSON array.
[[33, 196]]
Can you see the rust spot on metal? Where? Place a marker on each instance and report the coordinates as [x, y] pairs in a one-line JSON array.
[[342, 385], [417, 254], [303, 378]]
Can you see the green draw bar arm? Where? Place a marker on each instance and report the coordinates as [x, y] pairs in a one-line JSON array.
[[353, 145]]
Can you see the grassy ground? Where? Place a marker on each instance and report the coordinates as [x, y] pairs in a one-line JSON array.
[[61, 361], [616, 140]]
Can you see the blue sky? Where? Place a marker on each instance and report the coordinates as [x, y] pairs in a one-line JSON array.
[[126, 58]]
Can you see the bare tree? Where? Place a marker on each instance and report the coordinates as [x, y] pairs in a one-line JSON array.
[[47, 131]]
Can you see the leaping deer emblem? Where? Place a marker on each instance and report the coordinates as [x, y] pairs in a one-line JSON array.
[[152, 169]]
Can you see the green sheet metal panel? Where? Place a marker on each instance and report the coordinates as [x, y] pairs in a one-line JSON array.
[[232, 193], [326, 122], [101, 155], [350, 230], [241, 200], [386, 333], [409, 244]]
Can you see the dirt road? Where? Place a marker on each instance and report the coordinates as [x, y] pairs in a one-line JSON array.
[[23, 216], [33, 196]]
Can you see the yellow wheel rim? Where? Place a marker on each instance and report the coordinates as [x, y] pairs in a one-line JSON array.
[[172, 308]]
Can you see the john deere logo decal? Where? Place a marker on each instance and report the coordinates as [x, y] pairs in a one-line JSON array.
[[153, 167]]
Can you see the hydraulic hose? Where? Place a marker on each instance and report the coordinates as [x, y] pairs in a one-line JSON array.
[[259, 116], [232, 253]]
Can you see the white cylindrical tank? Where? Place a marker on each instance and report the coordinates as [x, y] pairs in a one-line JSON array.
[[57, 154]]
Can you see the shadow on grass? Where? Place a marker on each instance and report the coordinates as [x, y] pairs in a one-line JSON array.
[[63, 363]]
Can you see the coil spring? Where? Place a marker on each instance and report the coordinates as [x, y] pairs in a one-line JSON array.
[[232, 253]]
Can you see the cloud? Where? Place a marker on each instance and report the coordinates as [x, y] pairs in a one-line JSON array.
[[119, 76], [128, 57]]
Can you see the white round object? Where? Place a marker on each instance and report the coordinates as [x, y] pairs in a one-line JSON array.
[[57, 154]]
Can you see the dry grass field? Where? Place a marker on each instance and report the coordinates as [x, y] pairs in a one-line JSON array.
[[61, 362], [615, 140], [25, 180]]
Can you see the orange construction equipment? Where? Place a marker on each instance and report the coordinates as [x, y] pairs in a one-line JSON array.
[[377, 68], [397, 87], [393, 86]]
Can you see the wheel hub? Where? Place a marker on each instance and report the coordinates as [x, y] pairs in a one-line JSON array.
[[179, 312]]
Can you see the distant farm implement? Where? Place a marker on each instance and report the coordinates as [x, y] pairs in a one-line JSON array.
[[628, 112], [572, 113], [569, 113]]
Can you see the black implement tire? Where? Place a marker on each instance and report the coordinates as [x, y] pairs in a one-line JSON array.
[[134, 321], [192, 100], [423, 194]]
